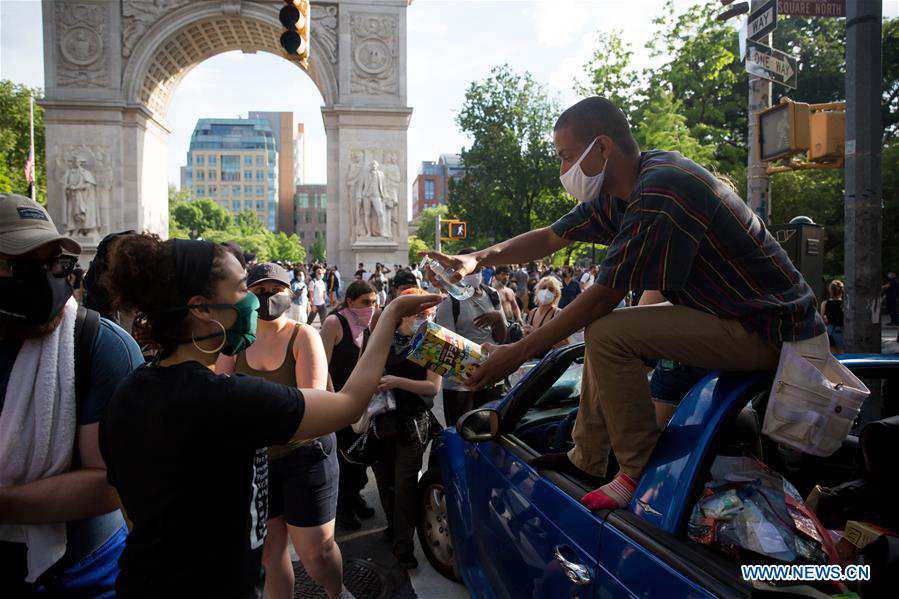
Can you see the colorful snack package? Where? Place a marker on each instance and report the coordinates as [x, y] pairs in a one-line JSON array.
[[442, 351]]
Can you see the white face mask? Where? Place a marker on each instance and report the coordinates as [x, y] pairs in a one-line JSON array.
[[545, 296], [473, 280], [584, 188]]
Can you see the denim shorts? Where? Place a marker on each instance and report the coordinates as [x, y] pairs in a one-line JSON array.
[[302, 485]]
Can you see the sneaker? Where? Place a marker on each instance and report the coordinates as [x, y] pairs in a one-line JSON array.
[[348, 521], [406, 560], [363, 510], [388, 533]]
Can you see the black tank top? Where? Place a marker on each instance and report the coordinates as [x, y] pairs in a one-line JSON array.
[[407, 403], [833, 310], [345, 354]]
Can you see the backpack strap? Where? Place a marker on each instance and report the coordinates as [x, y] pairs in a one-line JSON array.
[[87, 326], [492, 294]]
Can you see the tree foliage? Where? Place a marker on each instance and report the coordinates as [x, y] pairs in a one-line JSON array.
[[416, 246], [15, 139], [693, 99], [207, 220], [510, 167], [318, 250]]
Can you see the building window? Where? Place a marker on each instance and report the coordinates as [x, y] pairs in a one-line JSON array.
[[247, 175], [248, 160], [321, 218], [260, 175], [260, 190], [212, 190], [260, 205], [302, 200], [260, 161], [201, 175], [429, 189], [303, 235], [210, 175], [199, 159], [248, 205], [308, 217], [211, 159], [235, 190], [230, 168], [235, 205], [201, 191], [247, 190]]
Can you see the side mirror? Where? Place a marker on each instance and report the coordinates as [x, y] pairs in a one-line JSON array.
[[478, 425]]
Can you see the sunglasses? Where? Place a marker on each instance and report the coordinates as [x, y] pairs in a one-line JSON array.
[[59, 266]]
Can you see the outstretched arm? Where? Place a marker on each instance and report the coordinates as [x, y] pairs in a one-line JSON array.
[[327, 411]]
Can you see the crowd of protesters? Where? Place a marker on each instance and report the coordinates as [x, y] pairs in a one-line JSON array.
[[185, 416]]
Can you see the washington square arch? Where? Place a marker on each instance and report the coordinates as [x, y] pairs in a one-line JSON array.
[[112, 66]]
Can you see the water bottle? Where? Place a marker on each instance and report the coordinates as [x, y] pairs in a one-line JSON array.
[[461, 291]]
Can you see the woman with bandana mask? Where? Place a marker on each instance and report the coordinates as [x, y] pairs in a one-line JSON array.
[[185, 447], [303, 475], [345, 334], [414, 388]]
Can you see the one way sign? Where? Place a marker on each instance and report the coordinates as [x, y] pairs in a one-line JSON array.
[[774, 65], [762, 20]]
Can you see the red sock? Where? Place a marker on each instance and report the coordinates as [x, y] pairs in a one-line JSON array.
[[613, 495]]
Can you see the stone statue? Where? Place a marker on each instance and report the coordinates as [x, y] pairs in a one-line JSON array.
[[392, 176], [354, 194], [82, 209], [373, 197]]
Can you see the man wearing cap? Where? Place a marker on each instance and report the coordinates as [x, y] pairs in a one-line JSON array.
[[61, 532]]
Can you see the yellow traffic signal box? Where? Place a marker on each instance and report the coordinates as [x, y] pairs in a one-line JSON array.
[[784, 130], [827, 138]]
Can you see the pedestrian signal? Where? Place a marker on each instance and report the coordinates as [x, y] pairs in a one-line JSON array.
[[455, 229], [783, 130], [294, 16]]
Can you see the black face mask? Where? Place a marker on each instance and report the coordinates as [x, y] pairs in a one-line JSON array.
[[33, 298], [272, 305]]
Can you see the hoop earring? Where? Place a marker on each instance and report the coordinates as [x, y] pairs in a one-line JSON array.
[[219, 348]]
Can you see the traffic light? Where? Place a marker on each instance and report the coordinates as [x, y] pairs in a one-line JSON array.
[[783, 130], [455, 229], [828, 132], [294, 16]]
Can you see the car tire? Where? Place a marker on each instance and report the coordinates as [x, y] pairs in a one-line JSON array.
[[433, 527]]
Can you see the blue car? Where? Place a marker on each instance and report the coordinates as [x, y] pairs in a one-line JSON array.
[[490, 520]]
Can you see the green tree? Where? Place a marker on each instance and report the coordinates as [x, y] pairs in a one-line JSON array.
[[318, 251], [609, 72], [199, 217], [15, 138], [284, 247], [426, 228], [177, 195], [416, 246], [511, 161], [664, 127]]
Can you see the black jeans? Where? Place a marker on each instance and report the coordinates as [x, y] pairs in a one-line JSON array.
[[456, 403], [397, 477], [353, 477]]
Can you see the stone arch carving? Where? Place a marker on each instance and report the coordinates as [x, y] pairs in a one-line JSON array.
[[196, 31]]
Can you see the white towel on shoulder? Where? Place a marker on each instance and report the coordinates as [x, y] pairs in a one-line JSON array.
[[37, 431]]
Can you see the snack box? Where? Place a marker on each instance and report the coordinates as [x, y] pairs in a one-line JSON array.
[[442, 351]]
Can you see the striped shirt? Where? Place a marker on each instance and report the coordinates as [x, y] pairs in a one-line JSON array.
[[685, 233]]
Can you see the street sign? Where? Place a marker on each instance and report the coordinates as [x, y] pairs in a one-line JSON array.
[[762, 20], [740, 8], [812, 8], [766, 62]]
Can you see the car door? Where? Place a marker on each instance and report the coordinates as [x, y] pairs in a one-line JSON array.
[[533, 540]]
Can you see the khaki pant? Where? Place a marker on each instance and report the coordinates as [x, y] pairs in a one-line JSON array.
[[616, 408]]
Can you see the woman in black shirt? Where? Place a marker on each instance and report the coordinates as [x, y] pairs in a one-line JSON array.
[[184, 447], [396, 472]]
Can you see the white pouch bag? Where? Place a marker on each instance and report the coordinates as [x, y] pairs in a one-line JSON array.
[[814, 400]]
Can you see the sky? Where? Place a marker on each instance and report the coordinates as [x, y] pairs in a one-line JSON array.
[[450, 43]]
